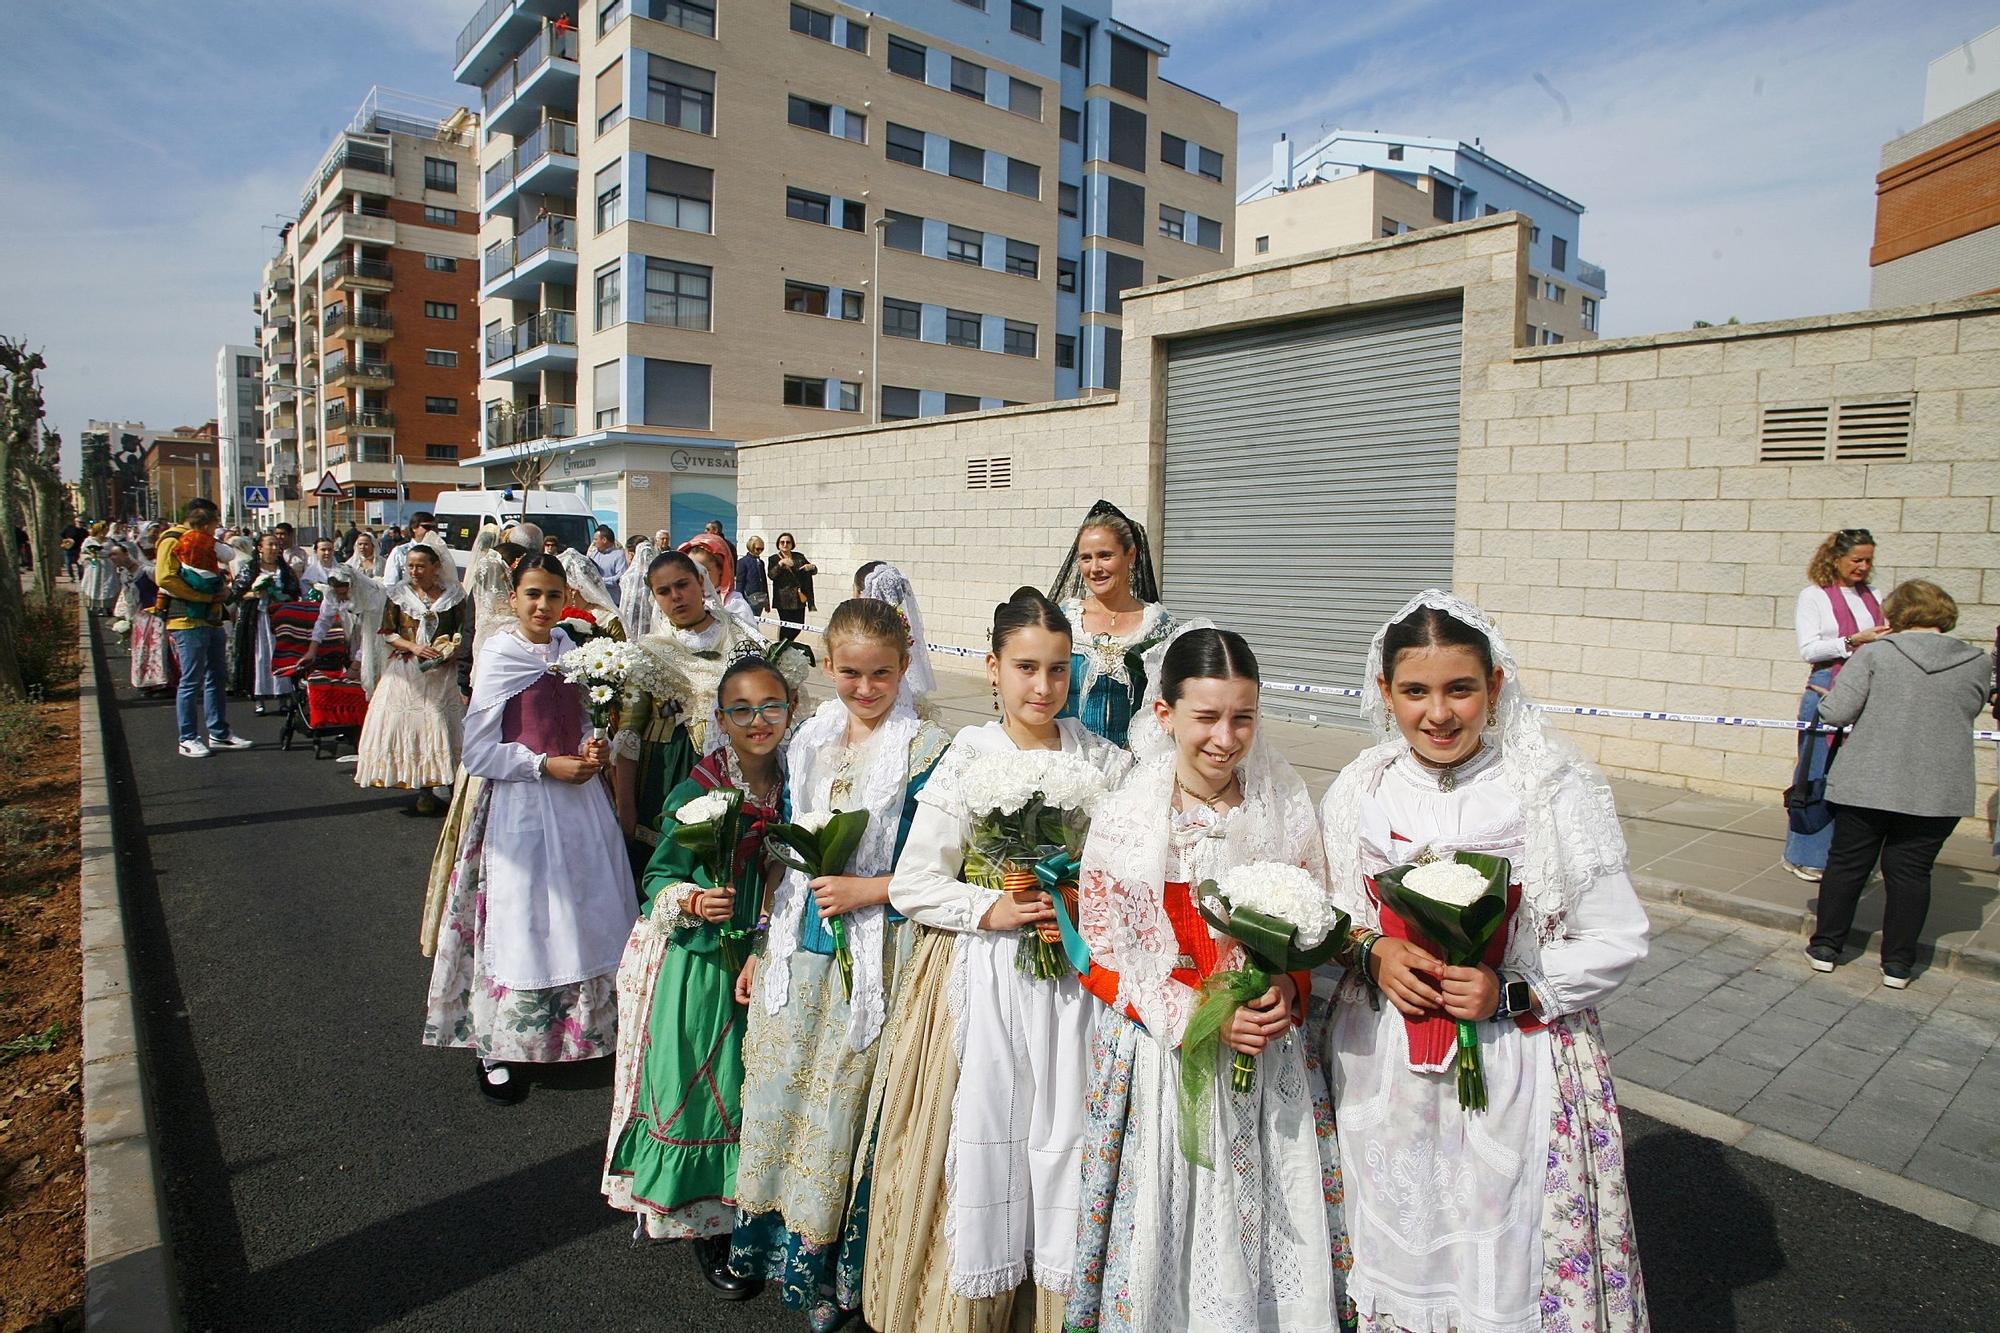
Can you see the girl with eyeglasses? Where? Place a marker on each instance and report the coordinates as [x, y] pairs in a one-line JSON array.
[[672, 1154], [1836, 614]]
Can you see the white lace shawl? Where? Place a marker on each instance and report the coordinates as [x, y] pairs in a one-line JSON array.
[[812, 758], [489, 587], [886, 583], [1573, 835], [635, 599], [1104, 654], [682, 682], [426, 614]]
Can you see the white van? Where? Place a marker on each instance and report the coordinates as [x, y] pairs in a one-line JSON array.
[[559, 514]]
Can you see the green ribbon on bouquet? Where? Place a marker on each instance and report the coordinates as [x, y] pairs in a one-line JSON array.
[[1054, 871], [1222, 993]]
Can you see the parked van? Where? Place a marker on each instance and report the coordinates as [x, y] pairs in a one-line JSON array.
[[559, 514]]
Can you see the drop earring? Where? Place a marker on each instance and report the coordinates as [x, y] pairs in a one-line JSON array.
[[996, 700]]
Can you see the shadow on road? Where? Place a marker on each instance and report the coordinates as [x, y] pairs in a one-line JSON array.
[[1703, 1232]]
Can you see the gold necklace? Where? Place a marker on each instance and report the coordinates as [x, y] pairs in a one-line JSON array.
[[1182, 789]]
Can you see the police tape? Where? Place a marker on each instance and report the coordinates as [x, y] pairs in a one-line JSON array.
[[1559, 710]]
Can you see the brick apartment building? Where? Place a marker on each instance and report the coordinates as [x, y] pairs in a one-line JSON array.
[[1937, 198]]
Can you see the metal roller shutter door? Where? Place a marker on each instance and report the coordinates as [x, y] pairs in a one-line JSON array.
[[1311, 484]]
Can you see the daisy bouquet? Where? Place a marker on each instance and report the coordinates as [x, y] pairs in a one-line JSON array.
[[711, 826], [822, 843], [600, 668], [1286, 922], [1031, 811], [1458, 904]]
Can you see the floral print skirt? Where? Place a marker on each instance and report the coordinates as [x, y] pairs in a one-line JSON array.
[[468, 1007]]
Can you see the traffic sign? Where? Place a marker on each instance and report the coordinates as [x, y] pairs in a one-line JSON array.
[[256, 497], [328, 488]]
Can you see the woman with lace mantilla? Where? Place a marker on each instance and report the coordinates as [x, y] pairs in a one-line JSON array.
[[1516, 1218], [1107, 590]]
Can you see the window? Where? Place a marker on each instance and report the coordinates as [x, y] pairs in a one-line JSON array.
[[902, 319], [854, 125], [961, 402], [1067, 200], [1120, 272], [676, 394], [610, 15], [1534, 235], [1065, 352], [1024, 98], [246, 368], [1018, 338], [1558, 253], [373, 449], [1263, 245], [1173, 150], [680, 95], [1072, 125], [850, 306], [441, 263], [1072, 49], [611, 95], [441, 407], [435, 356], [1208, 233], [689, 15], [1391, 227], [961, 328], [440, 453], [1395, 152], [900, 404], [979, 5], [440, 310], [1210, 164], [443, 217], [1024, 259], [610, 189], [1551, 338], [812, 23], [905, 232], [1490, 210], [610, 288], [676, 294], [1124, 210], [1024, 178], [803, 298], [679, 194], [968, 79], [905, 145], [1113, 340], [1128, 67], [809, 115], [1173, 223], [857, 37], [1590, 313], [604, 394], [1125, 144], [906, 58], [846, 397], [1026, 20], [1065, 275], [1444, 202], [968, 163], [964, 245], [853, 215], [1533, 340], [803, 392], [1551, 292], [440, 174], [807, 206]]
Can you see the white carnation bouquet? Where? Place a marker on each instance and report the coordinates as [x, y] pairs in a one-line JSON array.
[[600, 668], [1031, 811]]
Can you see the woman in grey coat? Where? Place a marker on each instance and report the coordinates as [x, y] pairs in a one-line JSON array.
[[1904, 778]]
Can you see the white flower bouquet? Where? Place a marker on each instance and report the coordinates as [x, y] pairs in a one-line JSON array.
[[601, 667], [1031, 811]]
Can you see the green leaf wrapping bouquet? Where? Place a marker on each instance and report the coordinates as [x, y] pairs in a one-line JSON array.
[[822, 843], [1457, 904], [711, 826]]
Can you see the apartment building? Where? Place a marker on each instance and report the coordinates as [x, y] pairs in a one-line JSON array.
[[239, 416], [1355, 186], [1937, 197], [181, 464], [702, 227], [369, 313]]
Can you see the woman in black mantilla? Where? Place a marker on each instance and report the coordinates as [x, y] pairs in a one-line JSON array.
[[1107, 589], [260, 582]]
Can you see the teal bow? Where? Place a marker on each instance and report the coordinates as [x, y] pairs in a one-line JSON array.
[[1053, 871]]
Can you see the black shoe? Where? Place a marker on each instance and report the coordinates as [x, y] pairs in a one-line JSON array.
[[711, 1256], [1822, 957], [509, 1088]]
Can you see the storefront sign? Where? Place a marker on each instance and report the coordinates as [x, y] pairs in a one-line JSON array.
[[703, 460]]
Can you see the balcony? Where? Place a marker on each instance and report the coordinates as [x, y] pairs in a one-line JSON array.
[[490, 39], [358, 322], [544, 162], [549, 421], [543, 77], [522, 353], [358, 155], [357, 275], [544, 253], [351, 228], [344, 373], [1590, 275]]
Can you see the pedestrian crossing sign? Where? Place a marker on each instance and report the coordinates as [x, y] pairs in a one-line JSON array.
[[256, 497]]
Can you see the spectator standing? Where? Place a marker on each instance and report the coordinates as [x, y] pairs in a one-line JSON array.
[[1905, 776], [608, 558], [791, 576], [1836, 614], [72, 548], [347, 539], [751, 579], [288, 549], [190, 577], [397, 570], [365, 556], [324, 561]]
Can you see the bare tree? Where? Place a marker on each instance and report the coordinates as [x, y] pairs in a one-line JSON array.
[[47, 504], [20, 425]]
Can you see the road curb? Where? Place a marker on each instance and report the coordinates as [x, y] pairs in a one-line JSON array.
[[128, 1279], [1925, 1201]]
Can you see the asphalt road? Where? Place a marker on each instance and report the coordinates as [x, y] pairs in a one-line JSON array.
[[325, 1171]]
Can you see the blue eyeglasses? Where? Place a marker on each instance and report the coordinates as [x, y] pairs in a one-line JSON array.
[[742, 714]]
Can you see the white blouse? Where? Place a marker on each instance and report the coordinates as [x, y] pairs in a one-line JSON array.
[[1820, 639]]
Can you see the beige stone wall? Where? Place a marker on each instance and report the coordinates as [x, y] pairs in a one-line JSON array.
[[1317, 217]]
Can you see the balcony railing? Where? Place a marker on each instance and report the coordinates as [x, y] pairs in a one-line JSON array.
[[359, 156], [1590, 275], [549, 233], [548, 42], [379, 372], [340, 317], [482, 19], [551, 327], [551, 136], [550, 421], [374, 270]]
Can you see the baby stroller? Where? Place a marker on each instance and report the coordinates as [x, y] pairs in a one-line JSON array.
[[324, 704]]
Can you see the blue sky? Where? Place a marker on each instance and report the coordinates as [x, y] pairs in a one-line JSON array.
[[1726, 152]]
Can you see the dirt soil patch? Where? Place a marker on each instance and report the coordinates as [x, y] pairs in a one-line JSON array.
[[41, 1030]]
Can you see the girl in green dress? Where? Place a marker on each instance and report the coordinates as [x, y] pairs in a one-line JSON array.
[[675, 1118]]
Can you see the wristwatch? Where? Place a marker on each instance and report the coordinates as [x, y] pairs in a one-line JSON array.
[[1516, 997]]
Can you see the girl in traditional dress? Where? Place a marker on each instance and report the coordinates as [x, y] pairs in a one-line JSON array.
[[1109, 594], [978, 1151], [1516, 1218], [411, 737], [257, 585], [364, 556], [100, 576], [541, 899], [672, 1153], [152, 660], [810, 1051], [1253, 1238]]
